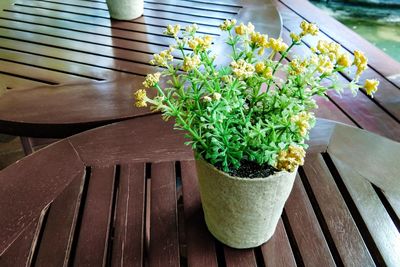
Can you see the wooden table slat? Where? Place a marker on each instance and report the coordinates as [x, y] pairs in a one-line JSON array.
[[277, 252], [239, 258], [351, 246], [128, 239], [57, 237], [307, 232], [20, 251], [199, 5], [361, 109], [92, 246], [386, 96], [11, 81], [200, 243], [374, 215], [378, 60], [164, 243]]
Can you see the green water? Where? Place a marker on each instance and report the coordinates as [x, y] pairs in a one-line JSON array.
[[379, 25]]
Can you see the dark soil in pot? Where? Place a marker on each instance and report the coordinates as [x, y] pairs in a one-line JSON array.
[[251, 169]]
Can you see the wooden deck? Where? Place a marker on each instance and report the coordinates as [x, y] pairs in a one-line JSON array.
[[379, 114]]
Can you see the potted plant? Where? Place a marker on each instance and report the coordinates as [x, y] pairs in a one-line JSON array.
[[247, 121], [125, 9]]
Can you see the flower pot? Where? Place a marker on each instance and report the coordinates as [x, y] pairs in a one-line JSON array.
[[125, 9], [242, 212]]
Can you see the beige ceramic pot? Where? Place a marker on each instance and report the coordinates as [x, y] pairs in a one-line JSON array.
[[125, 9], [242, 212]]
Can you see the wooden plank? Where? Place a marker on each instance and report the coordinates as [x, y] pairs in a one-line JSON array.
[[200, 243], [239, 258], [20, 252], [199, 5], [12, 82], [141, 24], [164, 244], [381, 227], [79, 40], [93, 239], [23, 198], [388, 92], [361, 109], [277, 251], [311, 241], [394, 201], [54, 77], [378, 60], [128, 240], [74, 52], [341, 225], [57, 238]]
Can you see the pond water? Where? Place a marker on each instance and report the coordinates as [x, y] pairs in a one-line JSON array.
[[378, 23]]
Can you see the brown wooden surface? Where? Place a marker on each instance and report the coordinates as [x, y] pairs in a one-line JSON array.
[[88, 200], [74, 47]]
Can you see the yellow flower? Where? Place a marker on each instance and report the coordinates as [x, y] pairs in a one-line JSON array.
[[207, 98], [152, 79], [200, 43], [243, 29], [242, 69], [259, 67], [277, 44], [192, 28], [140, 98], [227, 25], [371, 86], [360, 61], [297, 67], [302, 120], [172, 30], [260, 40], [308, 28], [289, 159], [322, 47], [325, 65], [189, 63], [344, 60], [162, 58], [295, 37]]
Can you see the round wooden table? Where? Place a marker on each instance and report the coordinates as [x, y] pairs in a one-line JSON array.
[[126, 194]]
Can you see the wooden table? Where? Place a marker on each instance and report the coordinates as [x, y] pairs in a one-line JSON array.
[[74, 47], [124, 195]]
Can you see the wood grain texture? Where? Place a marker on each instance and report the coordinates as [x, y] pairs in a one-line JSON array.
[[128, 240], [306, 229], [93, 239], [164, 243], [336, 215], [200, 243], [277, 251], [57, 237]]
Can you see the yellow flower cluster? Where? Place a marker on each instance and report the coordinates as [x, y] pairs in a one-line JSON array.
[[308, 28], [200, 43], [227, 25], [243, 29], [192, 28], [344, 60], [298, 67], [295, 37], [172, 30], [277, 44], [140, 98], [189, 63], [152, 79], [360, 61], [162, 58], [289, 159], [261, 69], [302, 120], [242, 69], [325, 64], [371, 86]]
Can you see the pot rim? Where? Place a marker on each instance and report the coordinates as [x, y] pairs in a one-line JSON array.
[[247, 179]]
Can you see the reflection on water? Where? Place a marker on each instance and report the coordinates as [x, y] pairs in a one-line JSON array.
[[379, 24]]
